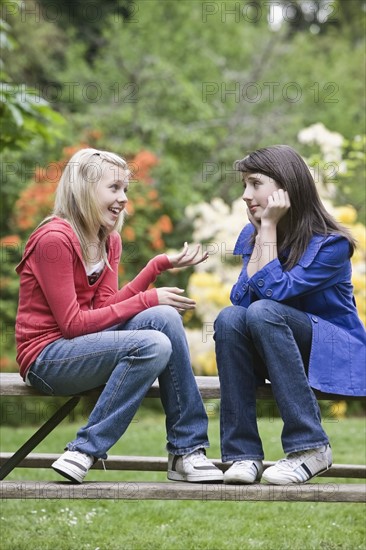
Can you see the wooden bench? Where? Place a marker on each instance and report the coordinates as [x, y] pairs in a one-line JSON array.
[[11, 385]]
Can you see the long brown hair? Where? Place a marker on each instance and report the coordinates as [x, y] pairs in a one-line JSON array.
[[307, 216]]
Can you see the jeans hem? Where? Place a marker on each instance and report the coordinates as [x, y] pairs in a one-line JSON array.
[[104, 456], [241, 457], [187, 450], [307, 447]]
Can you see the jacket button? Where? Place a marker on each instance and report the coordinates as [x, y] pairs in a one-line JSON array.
[[260, 282], [269, 292], [314, 319]]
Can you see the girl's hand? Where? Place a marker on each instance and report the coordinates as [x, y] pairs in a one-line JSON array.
[[172, 296], [253, 221], [187, 258], [278, 205]]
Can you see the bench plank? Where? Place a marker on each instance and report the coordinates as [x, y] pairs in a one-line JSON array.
[[160, 464], [311, 492], [11, 384]]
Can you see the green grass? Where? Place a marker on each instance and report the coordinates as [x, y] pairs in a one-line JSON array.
[[178, 525]]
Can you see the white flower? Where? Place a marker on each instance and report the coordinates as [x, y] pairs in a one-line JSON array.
[[330, 143]]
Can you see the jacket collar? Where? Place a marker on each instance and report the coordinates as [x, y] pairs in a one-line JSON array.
[[244, 246]]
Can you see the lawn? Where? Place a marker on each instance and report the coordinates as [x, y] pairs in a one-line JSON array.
[[178, 525]]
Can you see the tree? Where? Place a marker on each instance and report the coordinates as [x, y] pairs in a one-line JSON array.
[[88, 19], [209, 87], [27, 121], [325, 16]]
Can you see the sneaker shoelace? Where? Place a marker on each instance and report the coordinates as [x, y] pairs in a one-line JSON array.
[[84, 459], [248, 465], [197, 456], [294, 459]]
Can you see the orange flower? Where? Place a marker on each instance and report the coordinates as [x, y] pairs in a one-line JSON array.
[[140, 201], [39, 174], [10, 240], [165, 224], [130, 208], [154, 232], [70, 151], [158, 244], [4, 363], [129, 233], [94, 134], [152, 194], [53, 172], [141, 165], [5, 282]]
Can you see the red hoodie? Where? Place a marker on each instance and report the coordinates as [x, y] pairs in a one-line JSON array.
[[56, 299]]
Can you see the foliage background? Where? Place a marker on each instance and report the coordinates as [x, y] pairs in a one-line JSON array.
[[181, 89]]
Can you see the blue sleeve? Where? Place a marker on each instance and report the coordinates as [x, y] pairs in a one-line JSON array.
[[243, 244], [321, 266], [240, 294]]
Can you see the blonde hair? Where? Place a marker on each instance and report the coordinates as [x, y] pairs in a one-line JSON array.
[[76, 201]]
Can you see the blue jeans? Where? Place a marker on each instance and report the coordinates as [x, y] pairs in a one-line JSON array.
[[127, 359], [267, 340]]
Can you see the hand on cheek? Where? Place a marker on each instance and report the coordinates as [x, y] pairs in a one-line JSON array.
[[252, 220], [278, 205]]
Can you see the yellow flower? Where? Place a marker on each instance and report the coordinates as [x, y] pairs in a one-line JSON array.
[[346, 214], [338, 409], [359, 233], [206, 363], [208, 288], [358, 281], [203, 280]]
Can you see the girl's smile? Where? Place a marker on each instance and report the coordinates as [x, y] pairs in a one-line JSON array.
[[111, 195]]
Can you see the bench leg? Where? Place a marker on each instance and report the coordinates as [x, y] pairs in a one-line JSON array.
[[39, 436]]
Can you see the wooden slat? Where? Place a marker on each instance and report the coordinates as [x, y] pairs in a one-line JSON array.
[[160, 464], [330, 492], [46, 428], [11, 384]]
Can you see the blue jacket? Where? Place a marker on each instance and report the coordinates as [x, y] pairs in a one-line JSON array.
[[320, 285]]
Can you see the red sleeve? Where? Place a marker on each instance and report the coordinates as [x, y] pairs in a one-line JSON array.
[[56, 277], [108, 292]]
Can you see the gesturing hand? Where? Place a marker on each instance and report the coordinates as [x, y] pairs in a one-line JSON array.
[[172, 296], [187, 258]]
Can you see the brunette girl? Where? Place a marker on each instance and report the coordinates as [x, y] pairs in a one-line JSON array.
[[294, 321]]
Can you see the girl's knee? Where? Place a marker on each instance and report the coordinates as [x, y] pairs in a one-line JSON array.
[[157, 352], [165, 315], [231, 318], [261, 311], [161, 346]]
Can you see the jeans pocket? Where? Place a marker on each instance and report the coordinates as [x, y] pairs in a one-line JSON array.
[[39, 383]]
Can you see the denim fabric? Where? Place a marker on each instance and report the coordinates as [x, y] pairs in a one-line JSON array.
[[127, 359], [319, 285], [267, 339]]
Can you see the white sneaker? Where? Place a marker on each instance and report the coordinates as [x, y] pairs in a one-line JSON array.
[[74, 465], [299, 467], [244, 471], [193, 467]]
